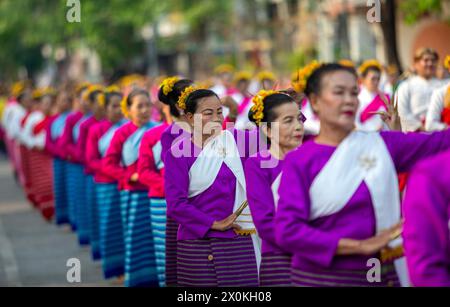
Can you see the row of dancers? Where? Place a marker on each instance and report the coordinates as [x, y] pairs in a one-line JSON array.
[[187, 199]]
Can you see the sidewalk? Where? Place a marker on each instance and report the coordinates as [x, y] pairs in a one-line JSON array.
[[34, 252]]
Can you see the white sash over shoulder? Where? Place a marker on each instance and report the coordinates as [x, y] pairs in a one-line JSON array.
[[361, 157], [275, 186], [202, 174]]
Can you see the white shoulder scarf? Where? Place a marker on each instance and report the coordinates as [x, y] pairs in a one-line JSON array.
[[361, 157], [275, 186], [205, 169]]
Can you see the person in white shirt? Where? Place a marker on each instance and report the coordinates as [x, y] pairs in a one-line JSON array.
[[414, 94], [438, 115], [371, 100]]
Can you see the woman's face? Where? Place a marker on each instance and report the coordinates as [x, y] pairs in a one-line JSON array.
[[267, 84], [209, 110], [46, 104], [290, 131], [85, 105], [114, 110], [140, 109], [242, 86], [97, 109], [27, 100], [63, 102], [372, 81], [337, 102]]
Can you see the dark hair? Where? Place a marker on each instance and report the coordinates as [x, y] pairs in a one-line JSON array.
[[270, 104], [171, 99], [314, 82], [79, 91], [134, 93], [110, 95], [194, 97], [93, 96], [369, 69]]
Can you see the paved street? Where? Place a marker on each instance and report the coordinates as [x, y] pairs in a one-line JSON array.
[[34, 252]]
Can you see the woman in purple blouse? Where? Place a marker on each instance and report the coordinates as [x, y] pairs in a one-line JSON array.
[[339, 206], [205, 186], [281, 121]]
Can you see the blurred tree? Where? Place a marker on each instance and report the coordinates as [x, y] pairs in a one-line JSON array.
[[416, 9], [111, 28]]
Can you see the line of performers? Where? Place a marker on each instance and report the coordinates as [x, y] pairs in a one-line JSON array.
[[189, 200]]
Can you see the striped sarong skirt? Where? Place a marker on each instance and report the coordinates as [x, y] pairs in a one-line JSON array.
[[112, 248], [41, 179], [275, 270], [75, 195], [81, 209], [140, 261], [344, 278], [24, 173], [158, 208], [171, 252], [92, 215], [217, 263], [73, 183], [124, 205], [59, 191]]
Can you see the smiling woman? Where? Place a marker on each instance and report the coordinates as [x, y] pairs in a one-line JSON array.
[[216, 247]]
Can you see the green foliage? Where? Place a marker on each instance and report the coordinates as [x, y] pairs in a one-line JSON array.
[[415, 9]]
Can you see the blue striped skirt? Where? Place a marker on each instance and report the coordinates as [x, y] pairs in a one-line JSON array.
[[171, 252], [158, 208], [124, 204], [81, 206], [74, 183], [140, 262], [92, 215], [112, 248], [59, 189]]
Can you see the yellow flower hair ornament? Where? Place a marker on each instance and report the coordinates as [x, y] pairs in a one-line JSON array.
[[224, 68], [18, 88], [258, 105], [124, 107], [41, 92], [300, 78], [367, 64], [184, 96], [347, 63], [90, 90], [168, 84], [447, 62], [101, 99], [266, 75], [37, 93], [112, 89], [242, 76]]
